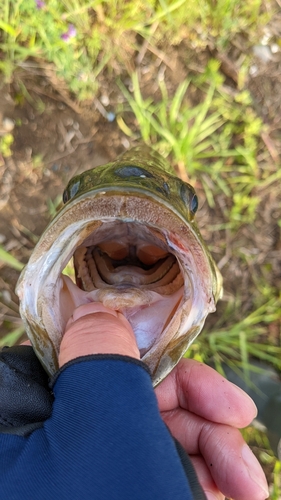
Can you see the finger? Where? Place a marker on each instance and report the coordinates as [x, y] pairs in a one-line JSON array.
[[95, 307], [232, 465], [85, 309], [210, 489], [201, 390], [94, 329]]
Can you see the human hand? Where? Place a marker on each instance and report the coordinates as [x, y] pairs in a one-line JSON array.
[[203, 412], [201, 408], [96, 329]]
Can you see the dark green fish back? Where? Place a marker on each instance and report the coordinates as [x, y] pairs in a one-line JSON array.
[[145, 157], [142, 169]]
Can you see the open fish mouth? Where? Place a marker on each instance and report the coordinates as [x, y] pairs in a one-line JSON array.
[[136, 249], [132, 271]]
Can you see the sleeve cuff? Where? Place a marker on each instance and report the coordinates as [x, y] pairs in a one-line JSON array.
[[98, 357]]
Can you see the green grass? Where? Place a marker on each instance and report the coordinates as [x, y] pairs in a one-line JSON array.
[[6, 142], [9, 260], [13, 337], [104, 33], [259, 441], [238, 341], [215, 140]]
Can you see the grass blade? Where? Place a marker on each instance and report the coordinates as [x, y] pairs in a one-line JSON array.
[[12, 337], [9, 260]]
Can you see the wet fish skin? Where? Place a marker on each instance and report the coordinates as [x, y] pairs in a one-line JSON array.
[[138, 168]]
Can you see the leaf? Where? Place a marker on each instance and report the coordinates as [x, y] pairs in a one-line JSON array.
[[12, 337], [9, 260], [7, 28]]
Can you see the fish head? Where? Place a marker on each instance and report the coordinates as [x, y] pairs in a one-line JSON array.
[[129, 227]]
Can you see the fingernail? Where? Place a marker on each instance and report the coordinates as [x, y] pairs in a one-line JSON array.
[[254, 469]]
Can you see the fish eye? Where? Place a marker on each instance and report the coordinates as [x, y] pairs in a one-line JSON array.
[[194, 204], [71, 190], [189, 197]]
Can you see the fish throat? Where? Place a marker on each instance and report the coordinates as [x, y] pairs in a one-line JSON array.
[[121, 263], [129, 267]]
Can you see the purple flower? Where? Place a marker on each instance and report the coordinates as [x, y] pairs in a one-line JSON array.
[[40, 4], [70, 33]]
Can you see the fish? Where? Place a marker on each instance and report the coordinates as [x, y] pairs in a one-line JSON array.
[[130, 228]]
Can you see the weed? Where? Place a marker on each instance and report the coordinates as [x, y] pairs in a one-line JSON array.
[[81, 37], [259, 440], [276, 487], [54, 205], [9, 260], [238, 341], [13, 337], [6, 142], [214, 141]]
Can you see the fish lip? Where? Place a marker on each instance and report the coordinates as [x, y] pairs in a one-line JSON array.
[[129, 190], [90, 196]]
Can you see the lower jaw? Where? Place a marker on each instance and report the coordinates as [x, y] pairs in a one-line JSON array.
[[147, 311]]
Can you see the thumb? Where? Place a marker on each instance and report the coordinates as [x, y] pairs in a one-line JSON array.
[[96, 329]]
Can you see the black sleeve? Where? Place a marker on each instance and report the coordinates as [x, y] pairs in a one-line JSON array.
[[190, 473], [25, 398]]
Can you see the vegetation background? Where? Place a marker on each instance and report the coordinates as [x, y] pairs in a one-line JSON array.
[[200, 81]]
